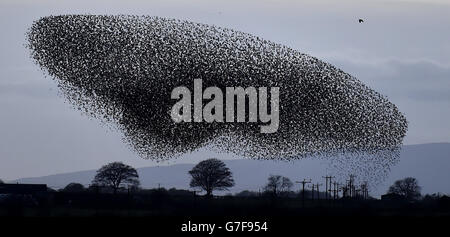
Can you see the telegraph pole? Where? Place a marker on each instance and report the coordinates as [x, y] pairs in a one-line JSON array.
[[335, 190], [327, 187], [303, 190], [365, 190], [318, 192], [351, 185]]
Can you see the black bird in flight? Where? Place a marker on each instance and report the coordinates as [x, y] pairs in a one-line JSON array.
[[361, 20]]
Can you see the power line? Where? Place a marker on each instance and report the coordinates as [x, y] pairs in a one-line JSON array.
[[303, 190]]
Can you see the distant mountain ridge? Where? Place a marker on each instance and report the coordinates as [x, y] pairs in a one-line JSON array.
[[429, 163]]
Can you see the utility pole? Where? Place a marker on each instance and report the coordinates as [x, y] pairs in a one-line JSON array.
[[327, 187], [303, 190], [335, 190], [349, 189], [318, 192], [312, 192], [365, 190], [351, 185]]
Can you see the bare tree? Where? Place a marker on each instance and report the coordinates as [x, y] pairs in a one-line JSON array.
[[210, 175], [116, 175], [407, 187], [278, 184]]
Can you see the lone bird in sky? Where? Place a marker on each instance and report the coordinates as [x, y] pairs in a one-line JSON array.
[[361, 20]]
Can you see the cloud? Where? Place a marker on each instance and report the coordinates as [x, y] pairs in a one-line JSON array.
[[417, 79]]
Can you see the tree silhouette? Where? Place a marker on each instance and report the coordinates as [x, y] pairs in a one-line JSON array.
[[277, 184], [210, 175], [116, 175], [407, 187], [73, 188]]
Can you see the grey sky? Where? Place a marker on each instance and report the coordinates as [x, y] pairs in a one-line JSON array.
[[402, 50]]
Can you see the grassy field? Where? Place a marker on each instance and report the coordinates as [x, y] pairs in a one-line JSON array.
[[162, 204]]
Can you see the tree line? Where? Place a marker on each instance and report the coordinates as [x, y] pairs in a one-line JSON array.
[[213, 175]]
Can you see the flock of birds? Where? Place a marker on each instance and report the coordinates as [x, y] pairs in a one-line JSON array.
[[122, 69]]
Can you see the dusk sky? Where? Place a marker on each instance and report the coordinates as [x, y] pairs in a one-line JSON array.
[[402, 50]]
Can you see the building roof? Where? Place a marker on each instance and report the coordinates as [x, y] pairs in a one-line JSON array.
[[23, 188]]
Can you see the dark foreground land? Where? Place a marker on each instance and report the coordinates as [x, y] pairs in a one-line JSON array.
[[164, 212], [162, 203]]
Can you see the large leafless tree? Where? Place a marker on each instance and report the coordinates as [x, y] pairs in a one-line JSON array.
[[407, 187], [116, 175], [210, 175], [277, 184]]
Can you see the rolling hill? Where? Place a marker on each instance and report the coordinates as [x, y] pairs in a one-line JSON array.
[[429, 163]]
